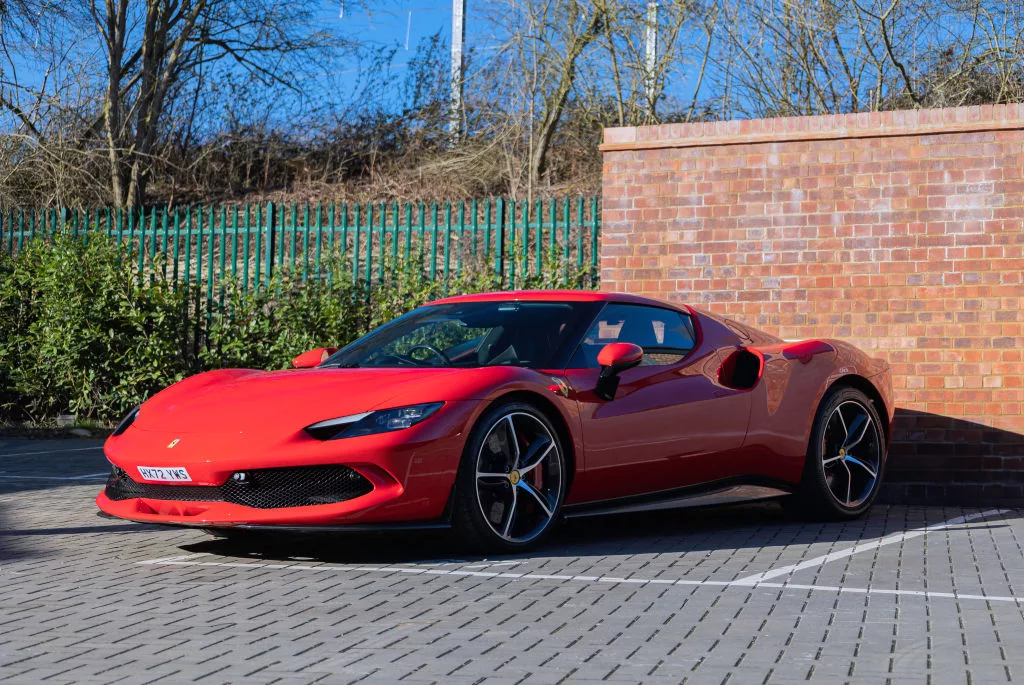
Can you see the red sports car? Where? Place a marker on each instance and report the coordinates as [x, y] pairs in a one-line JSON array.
[[498, 414]]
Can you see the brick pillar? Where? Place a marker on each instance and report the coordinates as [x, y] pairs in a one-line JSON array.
[[900, 232]]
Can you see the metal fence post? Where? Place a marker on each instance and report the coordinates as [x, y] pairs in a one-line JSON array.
[[499, 240], [269, 242]]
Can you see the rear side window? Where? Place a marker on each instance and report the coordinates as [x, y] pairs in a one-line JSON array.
[[666, 336]]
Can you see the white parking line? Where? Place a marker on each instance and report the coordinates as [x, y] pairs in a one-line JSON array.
[[610, 580], [25, 454], [180, 557], [494, 563], [758, 578]]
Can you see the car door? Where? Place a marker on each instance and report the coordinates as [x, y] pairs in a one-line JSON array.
[[671, 423]]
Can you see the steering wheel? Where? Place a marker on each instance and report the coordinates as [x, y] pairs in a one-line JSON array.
[[433, 350]]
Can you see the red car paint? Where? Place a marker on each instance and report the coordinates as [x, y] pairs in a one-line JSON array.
[[669, 426]]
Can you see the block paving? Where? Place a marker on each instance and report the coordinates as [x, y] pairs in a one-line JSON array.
[[660, 598]]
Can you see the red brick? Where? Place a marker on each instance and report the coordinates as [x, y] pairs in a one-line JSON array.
[[911, 246]]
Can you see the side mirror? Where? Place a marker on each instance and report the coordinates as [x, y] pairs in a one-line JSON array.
[[615, 358], [307, 360]]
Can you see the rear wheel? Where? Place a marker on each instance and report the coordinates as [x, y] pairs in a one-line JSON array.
[[511, 480], [845, 459]]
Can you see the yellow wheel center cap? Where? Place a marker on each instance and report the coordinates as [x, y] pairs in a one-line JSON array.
[[842, 453], [514, 477]]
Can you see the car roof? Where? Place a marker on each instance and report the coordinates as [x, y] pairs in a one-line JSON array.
[[553, 296]]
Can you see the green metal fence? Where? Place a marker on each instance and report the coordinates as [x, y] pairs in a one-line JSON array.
[[204, 245]]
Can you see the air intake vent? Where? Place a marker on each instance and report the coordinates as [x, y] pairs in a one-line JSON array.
[[262, 488]]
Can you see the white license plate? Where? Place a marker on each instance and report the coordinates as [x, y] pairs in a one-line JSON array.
[[172, 474]]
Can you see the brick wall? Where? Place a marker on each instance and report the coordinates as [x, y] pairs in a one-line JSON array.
[[900, 232]]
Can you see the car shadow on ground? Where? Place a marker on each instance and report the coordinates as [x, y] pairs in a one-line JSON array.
[[750, 526], [21, 539], [30, 467], [75, 530], [10, 549]]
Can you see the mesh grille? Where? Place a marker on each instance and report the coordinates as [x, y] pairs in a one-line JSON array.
[[263, 488]]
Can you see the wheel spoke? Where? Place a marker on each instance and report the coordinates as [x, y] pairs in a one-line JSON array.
[[515, 438], [849, 483], [842, 421], [503, 476], [511, 515], [537, 496], [830, 460], [531, 458], [858, 462], [860, 432]]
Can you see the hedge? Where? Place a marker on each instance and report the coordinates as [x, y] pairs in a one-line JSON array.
[[83, 332]]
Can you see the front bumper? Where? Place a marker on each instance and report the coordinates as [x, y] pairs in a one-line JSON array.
[[212, 506], [412, 473]]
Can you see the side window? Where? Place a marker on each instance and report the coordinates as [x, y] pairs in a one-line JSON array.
[[666, 336]]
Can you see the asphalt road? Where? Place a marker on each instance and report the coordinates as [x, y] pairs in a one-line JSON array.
[[737, 595]]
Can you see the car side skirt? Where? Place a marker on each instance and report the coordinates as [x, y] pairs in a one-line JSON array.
[[728, 491]]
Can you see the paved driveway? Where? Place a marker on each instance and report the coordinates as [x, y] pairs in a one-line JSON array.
[[738, 595]]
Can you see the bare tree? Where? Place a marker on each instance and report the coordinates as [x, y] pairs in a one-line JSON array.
[[152, 47], [216, 99], [150, 53], [831, 56], [684, 29]]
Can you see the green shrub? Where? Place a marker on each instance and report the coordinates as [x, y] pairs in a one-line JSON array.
[[82, 333], [266, 328]]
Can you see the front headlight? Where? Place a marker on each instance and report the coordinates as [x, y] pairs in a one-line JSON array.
[[127, 421], [380, 421]]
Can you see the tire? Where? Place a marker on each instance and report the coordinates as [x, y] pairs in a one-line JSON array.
[[511, 480], [845, 459]]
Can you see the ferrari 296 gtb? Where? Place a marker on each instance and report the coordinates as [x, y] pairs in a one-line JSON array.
[[498, 414]]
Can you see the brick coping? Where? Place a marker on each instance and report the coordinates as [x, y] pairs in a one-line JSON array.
[[980, 118]]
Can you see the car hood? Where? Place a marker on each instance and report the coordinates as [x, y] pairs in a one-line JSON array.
[[247, 401]]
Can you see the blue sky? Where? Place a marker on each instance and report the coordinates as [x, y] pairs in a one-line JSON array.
[[369, 22], [403, 24], [389, 23]]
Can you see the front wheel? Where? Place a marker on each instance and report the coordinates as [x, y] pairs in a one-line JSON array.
[[511, 480], [845, 459]]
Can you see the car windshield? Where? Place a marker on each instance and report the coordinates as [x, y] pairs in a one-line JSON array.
[[539, 335]]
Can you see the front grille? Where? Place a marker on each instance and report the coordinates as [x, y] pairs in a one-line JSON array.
[[262, 489]]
